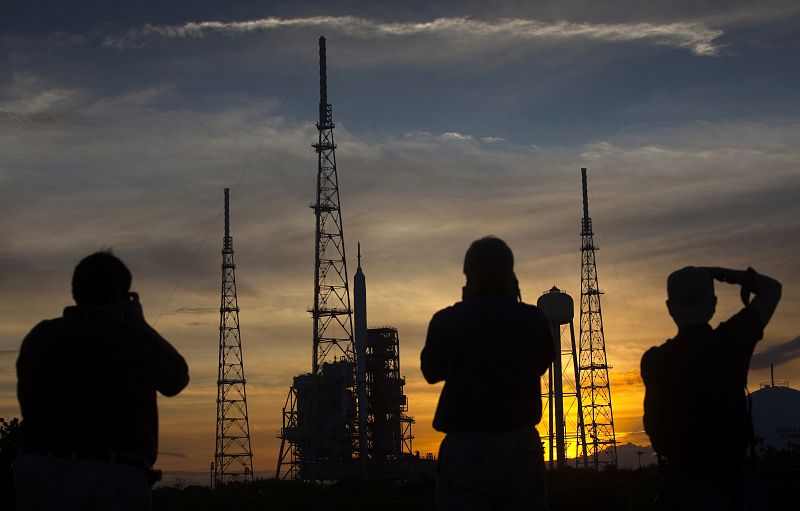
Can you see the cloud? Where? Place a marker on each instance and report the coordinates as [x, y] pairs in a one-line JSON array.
[[172, 454], [777, 354], [29, 92], [629, 379], [193, 310], [454, 136], [28, 102], [694, 36]]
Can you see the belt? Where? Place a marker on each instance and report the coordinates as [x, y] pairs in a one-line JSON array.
[[136, 461]]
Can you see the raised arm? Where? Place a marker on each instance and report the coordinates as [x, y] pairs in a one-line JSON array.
[[172, 372], [767, 290]]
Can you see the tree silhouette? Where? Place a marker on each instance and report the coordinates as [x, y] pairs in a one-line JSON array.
[[9, 444]]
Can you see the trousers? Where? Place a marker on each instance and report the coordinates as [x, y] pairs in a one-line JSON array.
[[45, 483], [731, 486], [483, 471]]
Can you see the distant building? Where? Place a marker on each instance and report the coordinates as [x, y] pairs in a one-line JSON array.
[[776, 416]]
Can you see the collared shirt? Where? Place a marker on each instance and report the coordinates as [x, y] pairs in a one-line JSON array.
[[87, 383], [490, 352], [695, 389]]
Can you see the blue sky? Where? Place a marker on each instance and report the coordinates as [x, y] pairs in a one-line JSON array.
[[120, 126]]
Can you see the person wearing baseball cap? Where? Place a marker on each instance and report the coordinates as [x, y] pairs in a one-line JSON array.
[[695, 391]]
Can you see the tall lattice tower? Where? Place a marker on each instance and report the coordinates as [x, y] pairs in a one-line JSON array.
[[320, 430], [333, 321], [233, 458], [595, 388]]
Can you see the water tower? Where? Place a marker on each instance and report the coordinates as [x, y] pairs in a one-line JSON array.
[[565, 428]]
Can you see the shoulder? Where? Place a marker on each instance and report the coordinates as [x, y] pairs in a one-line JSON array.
[[531, 314], [747, 319], [653, 359], [531, 310], [650, 356], [41, 330], [446, 314]]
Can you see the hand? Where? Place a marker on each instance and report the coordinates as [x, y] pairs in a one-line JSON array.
[[133, 309]]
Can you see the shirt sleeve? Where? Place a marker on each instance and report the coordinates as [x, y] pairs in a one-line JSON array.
[[743, 329], [172, 372], [432, 358], [644, 365]]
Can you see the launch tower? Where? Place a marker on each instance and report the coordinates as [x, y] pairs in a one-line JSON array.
[[595, 388], [345, 420], [320, 430], [387, 429], [233, 458]]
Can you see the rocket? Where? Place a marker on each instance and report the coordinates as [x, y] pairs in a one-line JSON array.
[[360, 341]]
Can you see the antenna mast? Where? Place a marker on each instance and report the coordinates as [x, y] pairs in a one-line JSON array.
[[233, 458], [595, 388]]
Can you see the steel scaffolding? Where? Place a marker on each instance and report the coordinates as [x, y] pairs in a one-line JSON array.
[[595, 387]]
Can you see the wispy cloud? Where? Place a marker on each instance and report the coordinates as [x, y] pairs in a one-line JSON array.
[[694, 36], [172, 454], [455, 136], [193, 310]]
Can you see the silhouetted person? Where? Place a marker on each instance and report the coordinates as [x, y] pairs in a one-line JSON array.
[[87, 386], [695, 409], [490, 349]]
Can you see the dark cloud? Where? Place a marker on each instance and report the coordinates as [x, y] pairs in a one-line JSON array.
[[776, 354]]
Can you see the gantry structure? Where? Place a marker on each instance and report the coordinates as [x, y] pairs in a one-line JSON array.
[[233, 457], [595, 387], [320, 427], [346, 419]]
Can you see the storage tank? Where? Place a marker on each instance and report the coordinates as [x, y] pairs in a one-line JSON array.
[[776, 416], [557, 306]]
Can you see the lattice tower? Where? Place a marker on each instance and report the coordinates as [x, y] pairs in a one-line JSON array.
[[332, 315], [233, 458], [595, 387], [310, 440]]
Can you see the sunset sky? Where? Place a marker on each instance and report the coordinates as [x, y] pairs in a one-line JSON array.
[[120, 127]]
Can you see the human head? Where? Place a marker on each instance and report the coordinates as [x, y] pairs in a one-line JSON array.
[[101, 280], [690, 296], [489, 268]]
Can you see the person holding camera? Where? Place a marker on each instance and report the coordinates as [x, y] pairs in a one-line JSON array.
[[490, 350], [696, 411], [87, 384]]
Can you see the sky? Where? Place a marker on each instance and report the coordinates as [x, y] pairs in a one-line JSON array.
[[120, 126]]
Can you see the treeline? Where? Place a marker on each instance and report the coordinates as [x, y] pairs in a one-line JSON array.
[[568, 490]]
